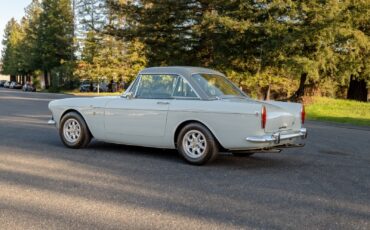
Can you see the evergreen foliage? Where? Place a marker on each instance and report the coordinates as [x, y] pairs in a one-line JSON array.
[[11, 42], [55, 35], [270, 48]]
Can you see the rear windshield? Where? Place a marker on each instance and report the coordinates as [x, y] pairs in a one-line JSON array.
[[216, 86]]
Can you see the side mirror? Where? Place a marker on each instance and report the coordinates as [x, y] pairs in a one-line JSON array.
[[128, 95]]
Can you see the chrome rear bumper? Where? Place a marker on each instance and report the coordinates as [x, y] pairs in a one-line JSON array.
[[278, 136]]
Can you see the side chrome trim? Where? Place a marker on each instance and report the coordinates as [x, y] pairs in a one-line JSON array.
[[277, 137]]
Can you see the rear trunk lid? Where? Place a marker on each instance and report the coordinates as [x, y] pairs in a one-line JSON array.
[[278, 119], [282, 116]]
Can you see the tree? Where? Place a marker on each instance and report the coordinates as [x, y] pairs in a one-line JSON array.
[[112, 60], [326, 43], [261, 45], [353, 48], [30, 25], [55, 35], [10, 53], [27, 56], [246, 39], [103, 56], [164, 27], [91, 15], [239, 37], [91, 18]]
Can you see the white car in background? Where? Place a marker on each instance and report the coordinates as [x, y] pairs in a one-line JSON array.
[[195, 110]]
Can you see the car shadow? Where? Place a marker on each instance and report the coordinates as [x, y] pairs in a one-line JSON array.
[[163, 154], [35, 134], [223, 160]]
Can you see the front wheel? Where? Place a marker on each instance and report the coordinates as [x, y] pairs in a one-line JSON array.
[[197, 144], [73, 131]]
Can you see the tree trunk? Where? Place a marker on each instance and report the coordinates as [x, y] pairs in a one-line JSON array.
[[300, 92], [46, 79], [267, 93], [357, 90]]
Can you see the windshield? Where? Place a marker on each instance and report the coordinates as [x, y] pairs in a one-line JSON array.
[[216, 86]]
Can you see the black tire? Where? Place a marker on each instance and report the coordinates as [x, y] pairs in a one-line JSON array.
[[210, 150], [241, 154], [84, 136]]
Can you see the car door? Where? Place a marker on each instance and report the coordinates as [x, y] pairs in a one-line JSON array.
[[141, 119]]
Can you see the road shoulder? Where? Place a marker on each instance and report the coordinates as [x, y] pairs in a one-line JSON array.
[[338, 125]]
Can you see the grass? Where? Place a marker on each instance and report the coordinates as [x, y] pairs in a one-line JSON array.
[[89, 94], [82, 94], [338, 110]]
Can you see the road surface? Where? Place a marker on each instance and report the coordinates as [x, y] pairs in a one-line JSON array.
[[44, 185]]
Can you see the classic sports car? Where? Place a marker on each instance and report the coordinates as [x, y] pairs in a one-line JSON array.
[[195, 110]]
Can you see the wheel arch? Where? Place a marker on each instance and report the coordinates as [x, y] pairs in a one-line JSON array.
[[184, 123], [78, 112]]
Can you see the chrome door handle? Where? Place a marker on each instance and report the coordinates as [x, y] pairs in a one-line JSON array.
[[163, 103]]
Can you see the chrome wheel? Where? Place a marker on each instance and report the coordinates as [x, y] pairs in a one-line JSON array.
[[72, 130], [194, 143]]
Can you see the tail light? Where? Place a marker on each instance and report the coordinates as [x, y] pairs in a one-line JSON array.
[[303, 114], [263, 117]]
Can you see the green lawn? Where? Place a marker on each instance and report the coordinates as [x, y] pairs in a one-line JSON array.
[[339, 110], [78, 93]]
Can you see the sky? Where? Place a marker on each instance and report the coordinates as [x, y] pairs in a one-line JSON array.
[[9, 9]]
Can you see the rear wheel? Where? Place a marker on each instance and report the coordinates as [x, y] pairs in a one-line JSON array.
[[73, 131], [197, 144]]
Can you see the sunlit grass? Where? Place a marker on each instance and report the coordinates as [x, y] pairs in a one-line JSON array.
[[339, 110], [91, 94]]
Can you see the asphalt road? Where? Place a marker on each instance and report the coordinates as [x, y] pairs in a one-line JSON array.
[[43, 185]]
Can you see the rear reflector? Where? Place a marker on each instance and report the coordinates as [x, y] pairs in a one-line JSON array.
[[263, 117], [303, 114]]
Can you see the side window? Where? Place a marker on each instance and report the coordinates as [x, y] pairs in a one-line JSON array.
[[183, 89], [156, 86]]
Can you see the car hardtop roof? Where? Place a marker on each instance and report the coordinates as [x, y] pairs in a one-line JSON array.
[[185, 71]]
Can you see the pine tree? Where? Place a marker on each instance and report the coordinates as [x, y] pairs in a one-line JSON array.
[[164, 27], [31, 23], [28, 57], [103, 56], [91, 20], [325, 43], [55, 35], [260, 44], [353, 49], [91, 15], [10, 53]]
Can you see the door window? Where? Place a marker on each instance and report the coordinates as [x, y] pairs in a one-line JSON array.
[[156, 86], [183, 89]]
